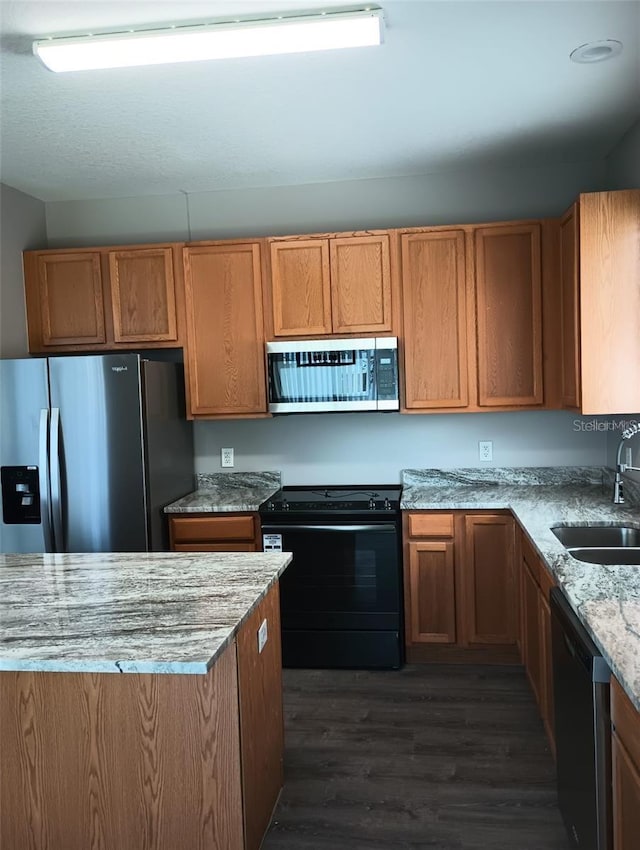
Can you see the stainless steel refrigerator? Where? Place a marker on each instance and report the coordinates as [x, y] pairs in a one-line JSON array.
[[91, 450]]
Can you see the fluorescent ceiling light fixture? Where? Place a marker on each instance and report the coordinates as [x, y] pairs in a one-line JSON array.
[[222, 40]]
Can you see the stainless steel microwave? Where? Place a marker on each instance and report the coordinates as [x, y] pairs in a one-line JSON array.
[[311, 376]]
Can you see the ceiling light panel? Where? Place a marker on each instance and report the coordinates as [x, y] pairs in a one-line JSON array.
[[299, 34]]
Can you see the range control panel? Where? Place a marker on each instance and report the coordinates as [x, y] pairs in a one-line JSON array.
[[20, 495]]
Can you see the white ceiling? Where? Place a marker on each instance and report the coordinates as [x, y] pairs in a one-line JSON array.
[[454, 84]]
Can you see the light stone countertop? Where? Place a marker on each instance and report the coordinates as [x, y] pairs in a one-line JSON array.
[[158, 612], [226, 492], [605, 598]]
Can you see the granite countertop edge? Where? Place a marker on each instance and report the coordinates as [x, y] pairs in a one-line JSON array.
[[605, 598], [241, 492]]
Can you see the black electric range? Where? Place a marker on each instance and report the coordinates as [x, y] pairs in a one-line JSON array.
[[341, 597]]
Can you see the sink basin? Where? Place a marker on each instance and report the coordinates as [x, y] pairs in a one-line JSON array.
[[598, 536], [626, 555], [601, 544]]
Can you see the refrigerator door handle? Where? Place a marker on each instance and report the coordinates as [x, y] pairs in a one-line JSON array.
[[56, 482], [43, 475]]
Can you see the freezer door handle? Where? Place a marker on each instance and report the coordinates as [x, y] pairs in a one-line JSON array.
[[56, 482], [43, 474]]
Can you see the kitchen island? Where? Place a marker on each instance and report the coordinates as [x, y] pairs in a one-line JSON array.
[[140, 700]]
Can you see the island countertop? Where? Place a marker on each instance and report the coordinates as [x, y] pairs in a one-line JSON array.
[[158, 612], [605, 598]]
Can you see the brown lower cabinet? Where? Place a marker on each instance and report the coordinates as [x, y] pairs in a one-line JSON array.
[[222, 533], [535, 631], [153, 760], [625, 751], [460, 594]]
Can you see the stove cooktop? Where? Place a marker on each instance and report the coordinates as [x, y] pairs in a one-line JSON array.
[[356, 499]]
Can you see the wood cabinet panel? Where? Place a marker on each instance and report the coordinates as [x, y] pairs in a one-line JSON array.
[[547, 708], [220, 533], [193, 529], [487, 576], [432, 615], [360, 284], [533, 634], [261, 717], [68, 299], [570, 308], [610, 301], [509, 315], [430, 525], [215, 547], [104, 299], [434, 281], [625, 751], [226, 367], [300, 287], [626, 797], [143, 295], [130, 761]]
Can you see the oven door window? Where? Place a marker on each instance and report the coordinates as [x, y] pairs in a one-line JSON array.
[[341, 576]]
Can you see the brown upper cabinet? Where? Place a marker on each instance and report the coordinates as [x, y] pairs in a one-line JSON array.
[[330, 284], [225, 359], [104, 298], [472, 301], [600, 270], [508, 259]]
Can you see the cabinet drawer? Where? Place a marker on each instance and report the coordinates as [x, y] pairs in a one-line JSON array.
[[626, 721], [195, 529], [431, 525]]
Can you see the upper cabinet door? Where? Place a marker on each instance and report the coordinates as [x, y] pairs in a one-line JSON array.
[[143, 295], [435, 319], [360, 284], [225, 355], [69, 297], [570, 308], [610, 301], [300, 287], [509, 315]]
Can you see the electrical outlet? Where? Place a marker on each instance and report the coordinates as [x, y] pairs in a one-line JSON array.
[[485, 450], [262, 635], [226, 457]]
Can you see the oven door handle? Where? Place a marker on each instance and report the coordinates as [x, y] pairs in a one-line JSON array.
[[283, 529]]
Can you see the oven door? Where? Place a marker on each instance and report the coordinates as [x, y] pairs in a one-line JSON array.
[[340, 598]]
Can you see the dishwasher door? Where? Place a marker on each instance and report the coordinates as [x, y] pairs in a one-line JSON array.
[[583, 729]]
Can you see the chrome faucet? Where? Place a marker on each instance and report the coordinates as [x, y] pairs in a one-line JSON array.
[[618, 496]]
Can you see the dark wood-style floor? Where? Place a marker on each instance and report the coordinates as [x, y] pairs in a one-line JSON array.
[[434, 756]]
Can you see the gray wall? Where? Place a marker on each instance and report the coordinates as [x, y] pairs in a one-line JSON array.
[[351, 448], [22, 226], [444, 198], [623, 163]]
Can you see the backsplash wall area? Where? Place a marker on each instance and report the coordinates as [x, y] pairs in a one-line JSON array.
[[372, 448]]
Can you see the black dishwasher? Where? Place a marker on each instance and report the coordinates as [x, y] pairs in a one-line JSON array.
[[583, 729]]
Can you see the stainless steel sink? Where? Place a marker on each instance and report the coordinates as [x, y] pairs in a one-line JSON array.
[[601, 544], [625, 555], [596, 536]]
